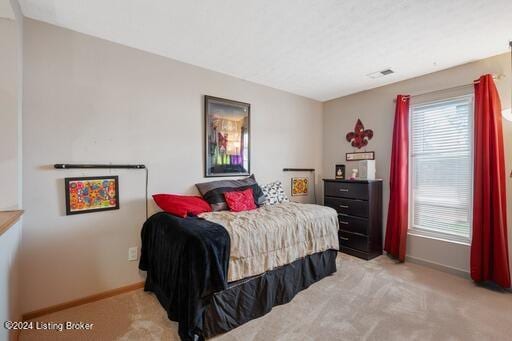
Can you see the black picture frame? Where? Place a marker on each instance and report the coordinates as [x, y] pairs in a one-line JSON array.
[[360, 156], [342, 169], [69, 211], [211, 171]]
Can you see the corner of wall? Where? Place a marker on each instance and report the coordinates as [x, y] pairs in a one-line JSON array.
[[19, 24]]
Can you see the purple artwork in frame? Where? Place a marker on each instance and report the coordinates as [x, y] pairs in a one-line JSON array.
[[227, 135]]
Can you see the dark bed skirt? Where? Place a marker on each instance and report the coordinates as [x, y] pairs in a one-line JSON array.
[[254, 297]]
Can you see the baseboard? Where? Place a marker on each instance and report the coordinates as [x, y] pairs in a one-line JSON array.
[[437, 266], [45, 311]]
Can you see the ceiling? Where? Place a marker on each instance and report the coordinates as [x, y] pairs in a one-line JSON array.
[[321, 49], [6, 9]]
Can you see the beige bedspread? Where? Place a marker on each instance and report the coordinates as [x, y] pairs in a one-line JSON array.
[[272, 236]]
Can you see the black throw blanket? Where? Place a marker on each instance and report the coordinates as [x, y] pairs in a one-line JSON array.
[[186, 262]]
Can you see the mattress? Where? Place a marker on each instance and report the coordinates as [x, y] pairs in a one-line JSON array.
[[273, 236]]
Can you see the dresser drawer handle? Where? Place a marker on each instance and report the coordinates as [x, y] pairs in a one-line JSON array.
[[344, 206], [343, 238], [343, 189], [344, 222]]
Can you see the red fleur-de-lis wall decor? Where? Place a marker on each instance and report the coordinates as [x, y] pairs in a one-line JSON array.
[[359, 137]]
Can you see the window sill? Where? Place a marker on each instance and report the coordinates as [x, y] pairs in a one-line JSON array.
[[435, 236]]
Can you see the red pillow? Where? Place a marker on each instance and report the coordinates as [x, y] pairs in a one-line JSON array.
[[181, 205], [240, 200]]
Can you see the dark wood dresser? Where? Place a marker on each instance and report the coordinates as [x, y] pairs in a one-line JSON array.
[[359, 207]]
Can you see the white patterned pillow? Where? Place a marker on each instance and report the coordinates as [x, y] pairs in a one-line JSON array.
[[274, 193]]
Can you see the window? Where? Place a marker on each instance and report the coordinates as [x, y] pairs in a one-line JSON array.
[[441, 172]]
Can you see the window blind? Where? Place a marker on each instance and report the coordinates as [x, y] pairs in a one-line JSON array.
[[442, 167]]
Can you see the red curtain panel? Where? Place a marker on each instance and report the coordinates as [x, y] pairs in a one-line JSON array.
[[489, 249], [396, 228]]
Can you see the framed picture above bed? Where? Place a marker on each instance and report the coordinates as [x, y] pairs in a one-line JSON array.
[[227, 136], [299, 186]]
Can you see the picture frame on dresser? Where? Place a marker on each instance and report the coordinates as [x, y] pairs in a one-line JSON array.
[[339, 173], [359, 207]]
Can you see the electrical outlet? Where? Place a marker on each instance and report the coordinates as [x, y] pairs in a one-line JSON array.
[[132, 253]]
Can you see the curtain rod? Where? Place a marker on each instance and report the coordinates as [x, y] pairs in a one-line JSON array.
[[496, 77], [298, 169], [96, 166]]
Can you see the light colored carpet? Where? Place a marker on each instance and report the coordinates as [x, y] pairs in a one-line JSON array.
[[375, 300]]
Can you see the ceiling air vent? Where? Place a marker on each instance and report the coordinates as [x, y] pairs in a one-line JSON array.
[[379, 74]]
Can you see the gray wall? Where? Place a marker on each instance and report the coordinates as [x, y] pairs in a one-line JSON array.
[[8, 114], [376, 110], [10, 169], [89, 100]]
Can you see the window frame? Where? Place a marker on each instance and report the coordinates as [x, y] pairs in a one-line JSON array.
[[423, 232]]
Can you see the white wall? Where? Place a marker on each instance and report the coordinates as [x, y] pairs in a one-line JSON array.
[[10, 164], [8, 114], [9, 280], [89, 100], [376, 109]]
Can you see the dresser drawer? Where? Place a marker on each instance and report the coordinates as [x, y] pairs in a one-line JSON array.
[[353, 207], [346, 190], [353, 224], [353, 241]]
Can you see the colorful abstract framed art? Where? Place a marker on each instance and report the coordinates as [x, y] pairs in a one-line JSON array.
[[91, 194], [299, 186]]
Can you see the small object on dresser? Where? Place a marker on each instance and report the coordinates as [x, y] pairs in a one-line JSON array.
[[354, 174], [340, 172], [359, 207], [367, 169]]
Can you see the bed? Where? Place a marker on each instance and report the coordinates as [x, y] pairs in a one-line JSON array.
[[214, 272]]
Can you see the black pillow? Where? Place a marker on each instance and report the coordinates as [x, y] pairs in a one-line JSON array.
[[213, 191]]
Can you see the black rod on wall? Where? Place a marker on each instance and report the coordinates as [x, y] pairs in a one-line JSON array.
[[105, 166], [96, 166], [298, 169]]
